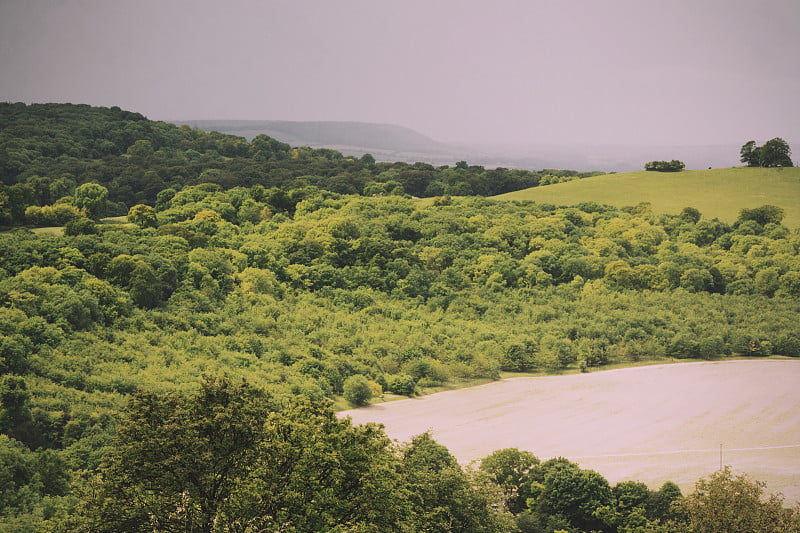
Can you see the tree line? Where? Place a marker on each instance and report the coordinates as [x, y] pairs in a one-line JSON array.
[[665, 166], [48, 150], [774, 153], [228, 457]]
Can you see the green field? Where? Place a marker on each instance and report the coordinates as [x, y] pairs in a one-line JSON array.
[[719, 193]]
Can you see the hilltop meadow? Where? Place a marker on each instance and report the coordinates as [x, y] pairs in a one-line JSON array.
[[182, 311], [717, 193]]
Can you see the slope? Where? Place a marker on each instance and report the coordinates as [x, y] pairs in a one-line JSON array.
[[720, 193], [352, 138]]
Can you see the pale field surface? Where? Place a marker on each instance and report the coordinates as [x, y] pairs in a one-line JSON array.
[[652, 424]]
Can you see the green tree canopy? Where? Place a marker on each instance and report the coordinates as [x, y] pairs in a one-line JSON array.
[[91, 197], [726, 502], [143, 216], [357, 390], [775, 153], [510, 468], [665, 166], [230, 458]]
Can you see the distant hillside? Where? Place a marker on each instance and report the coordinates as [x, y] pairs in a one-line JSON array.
[[384, 141], [611, 158], [395, 143], [720, 193], [48, 150]]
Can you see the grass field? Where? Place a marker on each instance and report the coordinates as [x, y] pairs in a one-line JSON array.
[[652, 423], [719, 193], [52, 230]]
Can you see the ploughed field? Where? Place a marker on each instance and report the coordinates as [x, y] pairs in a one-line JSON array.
[[650, 424]]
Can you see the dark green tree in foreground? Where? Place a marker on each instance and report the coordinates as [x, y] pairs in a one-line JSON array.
[[774, 153], [765, 214], [177, 461], [442, 494], [233, 459], [574, 494], [726, 502], [510, 468]]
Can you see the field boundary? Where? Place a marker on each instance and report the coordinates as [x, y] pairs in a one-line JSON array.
[[676, 452]]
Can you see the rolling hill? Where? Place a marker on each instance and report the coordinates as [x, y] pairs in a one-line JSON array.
[[387, 142], [384, 141], [719, 193]]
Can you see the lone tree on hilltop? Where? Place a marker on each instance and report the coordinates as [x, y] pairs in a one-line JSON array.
[[774, 153]]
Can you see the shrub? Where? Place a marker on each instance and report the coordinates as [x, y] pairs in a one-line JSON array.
[[357, 390], [665, 166], [402, 384]]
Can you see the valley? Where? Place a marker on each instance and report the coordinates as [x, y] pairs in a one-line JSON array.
[[651, 424]]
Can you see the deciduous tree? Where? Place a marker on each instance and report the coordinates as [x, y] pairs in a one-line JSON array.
[[727, 502], [510, 469], [143, 216], [775, 153], [91, 197], [357, 390]]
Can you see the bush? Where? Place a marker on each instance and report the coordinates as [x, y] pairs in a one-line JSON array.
[[80, 226], [402, 384], [357, 390], [665, 166]]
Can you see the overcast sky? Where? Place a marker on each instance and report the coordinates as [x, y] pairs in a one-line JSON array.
[[561, 71]]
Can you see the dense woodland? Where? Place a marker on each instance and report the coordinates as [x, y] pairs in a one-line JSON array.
[[46, 150], [254, 281]]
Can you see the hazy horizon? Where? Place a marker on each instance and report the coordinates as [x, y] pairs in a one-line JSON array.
[[624, 72]]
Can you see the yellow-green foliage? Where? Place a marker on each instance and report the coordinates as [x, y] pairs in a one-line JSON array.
[[408, 297], [719, 193]]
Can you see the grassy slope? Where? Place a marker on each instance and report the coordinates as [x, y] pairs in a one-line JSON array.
[[719, 193]]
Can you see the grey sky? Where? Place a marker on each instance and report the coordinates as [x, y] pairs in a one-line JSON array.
[[594, 71]]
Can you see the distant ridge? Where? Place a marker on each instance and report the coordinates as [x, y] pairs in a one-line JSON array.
[[351, 138], [387, 142]]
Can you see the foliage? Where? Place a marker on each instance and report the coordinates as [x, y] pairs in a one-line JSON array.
[[717, 193], [558, 495], [52, 151], [143, 216], [665, 166], [510, 468], [766, 214], [727, 502], [574, 494], [250, 265], [774, 153], [229, 458], [91, 197], [30, 482], [174, 454], [356, 390], [442, 495]]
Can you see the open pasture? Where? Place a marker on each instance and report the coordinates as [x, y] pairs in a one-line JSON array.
[[718, 193], [651, 424]]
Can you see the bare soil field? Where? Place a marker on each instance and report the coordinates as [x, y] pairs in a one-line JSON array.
[[651, 424]]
